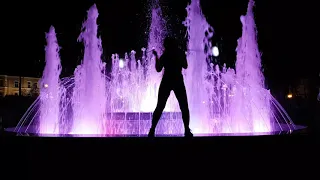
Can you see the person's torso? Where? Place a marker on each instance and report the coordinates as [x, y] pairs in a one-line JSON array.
[[172, 64]]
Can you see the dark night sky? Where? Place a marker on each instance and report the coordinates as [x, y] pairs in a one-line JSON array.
[[122, 25]]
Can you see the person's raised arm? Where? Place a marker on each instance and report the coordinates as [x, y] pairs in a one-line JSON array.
[[159, 64]]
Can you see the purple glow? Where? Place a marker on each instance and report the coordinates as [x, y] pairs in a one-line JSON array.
[[221, 99]]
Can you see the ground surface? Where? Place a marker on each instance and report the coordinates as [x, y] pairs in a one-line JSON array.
[[209, 155]]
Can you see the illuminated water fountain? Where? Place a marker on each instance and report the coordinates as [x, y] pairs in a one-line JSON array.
[[89, 93], [50, 95], [221, 99]]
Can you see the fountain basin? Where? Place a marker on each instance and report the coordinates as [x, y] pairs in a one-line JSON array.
[[139, 127]]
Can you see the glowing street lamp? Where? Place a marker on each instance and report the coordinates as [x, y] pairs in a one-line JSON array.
[[289, 96], [121, 63], [215, 51]]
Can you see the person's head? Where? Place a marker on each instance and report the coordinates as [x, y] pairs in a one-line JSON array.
[[170, 43]]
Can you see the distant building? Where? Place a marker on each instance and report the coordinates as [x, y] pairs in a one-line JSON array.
[[9, 86], [302, 88]]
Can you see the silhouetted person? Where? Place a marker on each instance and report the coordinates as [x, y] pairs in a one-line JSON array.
[[172, 60]]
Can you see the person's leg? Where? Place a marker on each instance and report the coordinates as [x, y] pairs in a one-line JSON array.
[[163, 95], [181, 94]]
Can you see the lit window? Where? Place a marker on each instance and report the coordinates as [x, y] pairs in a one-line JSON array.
[[16, 84]]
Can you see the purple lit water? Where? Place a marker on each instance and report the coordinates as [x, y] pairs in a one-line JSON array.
[[50, 87], [195, 76], [221, 99], [89, 94], [251, 105]]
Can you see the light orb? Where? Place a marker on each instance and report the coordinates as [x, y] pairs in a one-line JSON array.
[[121, 63], [215, 51]]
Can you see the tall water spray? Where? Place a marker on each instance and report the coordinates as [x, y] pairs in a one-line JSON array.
[[157, 31], [195, 75], [251, 105], [89, 94], [49, 87]]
